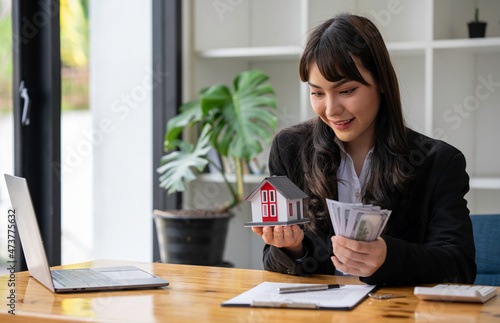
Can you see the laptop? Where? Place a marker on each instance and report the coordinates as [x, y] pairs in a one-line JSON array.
[[67, 280]]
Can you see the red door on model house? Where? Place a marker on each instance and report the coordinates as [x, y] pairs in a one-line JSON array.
[[268, 203]]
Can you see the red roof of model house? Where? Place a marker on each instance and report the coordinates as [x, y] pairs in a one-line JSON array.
[[283, 185]]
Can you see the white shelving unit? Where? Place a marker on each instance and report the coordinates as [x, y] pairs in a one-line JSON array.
[[450, 84]]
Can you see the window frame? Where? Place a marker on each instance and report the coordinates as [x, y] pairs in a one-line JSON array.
[[167, 96], [37, 75]]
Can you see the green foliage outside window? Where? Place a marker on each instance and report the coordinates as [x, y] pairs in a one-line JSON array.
[[5, 59], [74, 54]]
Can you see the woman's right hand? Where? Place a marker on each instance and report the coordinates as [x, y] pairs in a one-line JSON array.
[[288, 237]]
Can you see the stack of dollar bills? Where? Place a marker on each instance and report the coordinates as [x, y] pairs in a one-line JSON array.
[[357, 221]]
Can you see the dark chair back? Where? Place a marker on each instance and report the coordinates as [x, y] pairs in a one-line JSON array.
[[487, 239]]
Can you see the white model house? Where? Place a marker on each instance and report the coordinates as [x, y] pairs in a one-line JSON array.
[[277, 201]]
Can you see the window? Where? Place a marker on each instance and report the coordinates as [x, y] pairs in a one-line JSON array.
[[271, 196], [78, 136], [264, 211], [6, 122], [273, 210], [264, 196]]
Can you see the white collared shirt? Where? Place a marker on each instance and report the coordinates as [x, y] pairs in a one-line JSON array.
[[350, 185]]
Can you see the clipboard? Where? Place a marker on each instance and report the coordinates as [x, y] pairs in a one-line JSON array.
[[266, 294]]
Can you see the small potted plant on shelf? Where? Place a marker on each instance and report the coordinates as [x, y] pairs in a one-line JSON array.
[[477, 29], [237, 123]]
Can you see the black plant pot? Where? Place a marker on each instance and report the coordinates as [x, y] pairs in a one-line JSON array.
[[477, 29], [191, 240]]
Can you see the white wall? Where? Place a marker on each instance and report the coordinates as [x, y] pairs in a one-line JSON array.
[[120, 101]]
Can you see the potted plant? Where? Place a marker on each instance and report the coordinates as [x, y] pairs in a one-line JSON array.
[[237, 123], [477, 28]]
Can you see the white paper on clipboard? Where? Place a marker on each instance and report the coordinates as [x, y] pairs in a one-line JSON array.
[[266, 295]]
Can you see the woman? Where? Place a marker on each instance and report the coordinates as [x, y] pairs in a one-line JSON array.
[[359, 150]]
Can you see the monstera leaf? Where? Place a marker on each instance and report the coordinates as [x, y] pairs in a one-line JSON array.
[[237, 122], [189, 113], [241, 123], [176, 167]]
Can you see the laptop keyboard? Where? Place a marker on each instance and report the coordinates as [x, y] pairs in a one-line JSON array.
[[81, 277]]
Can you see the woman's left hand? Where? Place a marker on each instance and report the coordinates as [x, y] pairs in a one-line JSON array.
[[360, 258]]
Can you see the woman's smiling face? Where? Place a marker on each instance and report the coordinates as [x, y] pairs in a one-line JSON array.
[[347, 106]]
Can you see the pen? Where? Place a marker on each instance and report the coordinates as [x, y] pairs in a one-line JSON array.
[[283, 304], [307, 288]]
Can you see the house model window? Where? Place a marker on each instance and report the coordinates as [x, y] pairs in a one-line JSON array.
[[277, 201]]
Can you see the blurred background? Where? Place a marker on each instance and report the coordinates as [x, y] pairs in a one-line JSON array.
[[108, 86], [76, 194]]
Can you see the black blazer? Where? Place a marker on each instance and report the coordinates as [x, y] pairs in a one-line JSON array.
[[429, 234]]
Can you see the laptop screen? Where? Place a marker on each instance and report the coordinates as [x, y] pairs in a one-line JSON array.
[[28, 231]]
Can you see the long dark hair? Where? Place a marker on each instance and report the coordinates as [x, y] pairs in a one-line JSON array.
[[332, 46]]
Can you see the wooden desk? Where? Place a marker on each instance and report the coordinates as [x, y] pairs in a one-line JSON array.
[[195, 294]]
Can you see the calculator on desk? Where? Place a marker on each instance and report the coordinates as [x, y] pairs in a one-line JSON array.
[[456, 293]]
